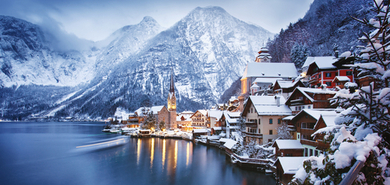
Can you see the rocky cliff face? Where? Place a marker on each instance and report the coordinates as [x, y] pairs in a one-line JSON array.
[[208, 50]]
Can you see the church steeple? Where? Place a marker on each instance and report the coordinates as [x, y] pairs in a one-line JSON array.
[[171, 96], [172, 89]]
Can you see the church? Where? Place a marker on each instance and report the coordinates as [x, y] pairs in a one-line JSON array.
[[171, 124]]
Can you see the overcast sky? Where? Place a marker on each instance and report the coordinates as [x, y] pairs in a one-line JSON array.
[[97, 19]]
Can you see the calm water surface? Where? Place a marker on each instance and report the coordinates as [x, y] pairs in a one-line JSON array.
[[45, 153]]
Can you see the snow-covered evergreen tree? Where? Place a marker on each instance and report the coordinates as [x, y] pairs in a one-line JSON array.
[[299, 53], [362, 131]]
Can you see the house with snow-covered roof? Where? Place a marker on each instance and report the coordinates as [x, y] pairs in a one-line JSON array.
[[287, 167], [309, 98], [288, 147], [183, 120], [265, 72], [307, 122], [199, 119], [230, 122], [286, 87], [322, 71], [263, 115]]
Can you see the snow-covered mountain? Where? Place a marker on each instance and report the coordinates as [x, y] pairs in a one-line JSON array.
[[208, 50], [27, 57], [126, 42]]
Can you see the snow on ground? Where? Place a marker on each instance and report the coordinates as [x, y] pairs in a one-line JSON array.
[[66, 97], [121, 113]]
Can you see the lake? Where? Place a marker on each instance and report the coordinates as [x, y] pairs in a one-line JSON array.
[[46, 153]]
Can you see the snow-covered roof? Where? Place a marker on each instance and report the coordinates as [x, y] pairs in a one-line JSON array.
[[342, 78], [187, 112], [231, 117], [233, 98], [155, 110], [290, 165], [200, 130], [215, 114], [202, 111], [305, 90], [229, 143], [267, 105], [288, 118], [234, 114], [317, 113], [289, 144], [269, 70], [286, 83], [323, 62], [329, 119], [267, 80]]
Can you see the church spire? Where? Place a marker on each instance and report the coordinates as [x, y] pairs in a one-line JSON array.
[[172, 88]]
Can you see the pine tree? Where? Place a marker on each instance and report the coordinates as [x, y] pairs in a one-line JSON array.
[[299, 53], [362, 131]]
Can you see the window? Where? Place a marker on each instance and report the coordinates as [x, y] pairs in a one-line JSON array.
[[270, 132], [319, 76], [308, 107], [303, 125], [270, 120], [259, 121], [259, 131], [279, 121], [328, 74], [269, 140], [328, 84], [251, 110], [349, 73]]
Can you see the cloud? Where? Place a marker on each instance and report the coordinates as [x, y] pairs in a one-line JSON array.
[[97, 19]]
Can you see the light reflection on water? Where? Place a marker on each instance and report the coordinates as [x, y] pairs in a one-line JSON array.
[[39, 153]]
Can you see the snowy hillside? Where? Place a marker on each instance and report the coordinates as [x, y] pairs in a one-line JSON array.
[[327, 24]]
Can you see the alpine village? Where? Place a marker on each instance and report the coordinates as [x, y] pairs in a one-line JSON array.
[[315, 120], [284, 121]]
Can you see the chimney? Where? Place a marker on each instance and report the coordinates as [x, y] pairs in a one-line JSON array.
[[277, 98], [336, 53]]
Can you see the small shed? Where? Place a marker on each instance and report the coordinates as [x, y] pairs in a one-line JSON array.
[[288, 147], [286, 167]]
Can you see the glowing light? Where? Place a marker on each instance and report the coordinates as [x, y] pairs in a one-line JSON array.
[[163, 154], [138, 150], [175, 154], [152, 154]]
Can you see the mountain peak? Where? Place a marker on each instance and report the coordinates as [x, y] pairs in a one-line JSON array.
[[148, 19], [209, 11]]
